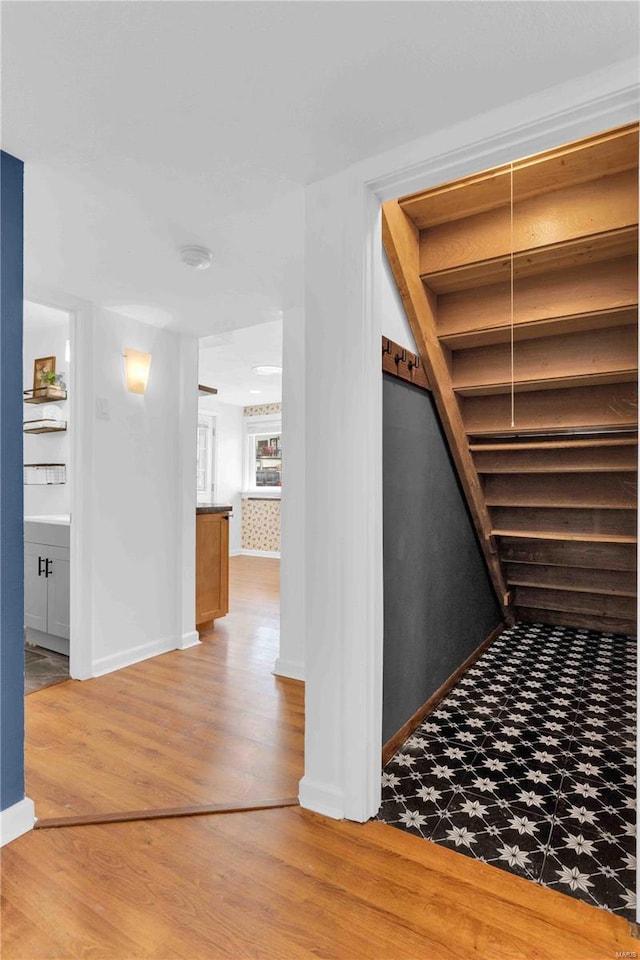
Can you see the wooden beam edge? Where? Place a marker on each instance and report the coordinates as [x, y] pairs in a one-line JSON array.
[[392, 745], [198, 810], [398, 231]]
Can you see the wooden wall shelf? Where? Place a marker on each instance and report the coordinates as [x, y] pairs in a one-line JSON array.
[[44, 426], [44, 395]]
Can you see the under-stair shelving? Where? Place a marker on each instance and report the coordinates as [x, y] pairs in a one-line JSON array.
[[553, 496]]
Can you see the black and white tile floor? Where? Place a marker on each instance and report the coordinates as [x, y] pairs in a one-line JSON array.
[[529, 764]]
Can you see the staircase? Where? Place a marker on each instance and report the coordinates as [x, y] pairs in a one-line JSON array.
[[537, 391]]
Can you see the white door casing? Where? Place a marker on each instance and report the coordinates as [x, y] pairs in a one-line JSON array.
[[343, 516]]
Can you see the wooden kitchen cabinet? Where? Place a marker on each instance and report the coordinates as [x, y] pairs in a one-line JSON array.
[[212, 568]]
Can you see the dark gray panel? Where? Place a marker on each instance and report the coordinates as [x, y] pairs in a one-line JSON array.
[[439, 604]]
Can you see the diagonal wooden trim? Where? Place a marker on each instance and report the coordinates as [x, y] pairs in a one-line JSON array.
[[199, 810], [393, 745], [400, 362], [401, 242]]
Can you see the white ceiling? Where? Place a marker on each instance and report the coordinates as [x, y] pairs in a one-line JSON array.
[[147, 125], [226, 360], [40, 315]]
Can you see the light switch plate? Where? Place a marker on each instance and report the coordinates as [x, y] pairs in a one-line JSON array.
[[103, 409]]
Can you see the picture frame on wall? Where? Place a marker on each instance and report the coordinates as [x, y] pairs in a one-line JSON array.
[[42, 366]]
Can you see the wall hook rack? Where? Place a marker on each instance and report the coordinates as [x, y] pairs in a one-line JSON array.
[[400, 362]]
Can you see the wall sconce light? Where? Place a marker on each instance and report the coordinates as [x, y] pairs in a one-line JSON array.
[[137, 366]]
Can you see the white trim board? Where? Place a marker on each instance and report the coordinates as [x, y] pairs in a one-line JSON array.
[[16, 820], [190, 639], [343, 550], [290, 669], [126, 658]]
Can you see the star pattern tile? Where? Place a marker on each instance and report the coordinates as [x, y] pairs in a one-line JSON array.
[[528, 764]]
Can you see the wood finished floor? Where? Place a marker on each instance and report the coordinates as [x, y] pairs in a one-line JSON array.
[[208, 724], [213, 723]]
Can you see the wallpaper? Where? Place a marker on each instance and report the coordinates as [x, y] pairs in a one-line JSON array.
[[262, 409], [260, 524]]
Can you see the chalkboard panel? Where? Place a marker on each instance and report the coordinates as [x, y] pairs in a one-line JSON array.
[[439, 603]]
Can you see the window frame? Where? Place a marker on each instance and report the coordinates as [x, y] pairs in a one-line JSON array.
[[263, 425]]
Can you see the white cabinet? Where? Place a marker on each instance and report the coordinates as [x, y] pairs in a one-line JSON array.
[[46, 590]]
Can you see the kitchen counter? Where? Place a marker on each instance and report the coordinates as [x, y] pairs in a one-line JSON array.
[[212, 508]]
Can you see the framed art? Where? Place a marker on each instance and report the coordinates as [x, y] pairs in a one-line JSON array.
[[41, 367]]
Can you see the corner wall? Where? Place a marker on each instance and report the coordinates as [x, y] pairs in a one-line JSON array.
[[143, 510]]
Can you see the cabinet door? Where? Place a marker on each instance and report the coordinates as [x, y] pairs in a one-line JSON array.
[[35, 586], [58, 586], [212, 566]]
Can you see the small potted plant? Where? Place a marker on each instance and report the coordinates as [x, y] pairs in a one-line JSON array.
[[53, 382]]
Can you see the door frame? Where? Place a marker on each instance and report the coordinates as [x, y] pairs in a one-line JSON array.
[[81, 320], [343, 740]]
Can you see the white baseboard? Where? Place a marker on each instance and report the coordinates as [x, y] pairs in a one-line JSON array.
[[320, 798], [292, 669], [16, 820], [274, 554], [191, 639], [134, 655], [235, 553]]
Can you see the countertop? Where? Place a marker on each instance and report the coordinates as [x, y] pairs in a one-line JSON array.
[[212, 508]]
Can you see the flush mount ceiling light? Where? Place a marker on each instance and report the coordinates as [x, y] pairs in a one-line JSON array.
[[255, 391], [266, 370], [198, 258]]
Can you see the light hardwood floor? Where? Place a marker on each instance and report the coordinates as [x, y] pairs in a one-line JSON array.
[[211, 724]]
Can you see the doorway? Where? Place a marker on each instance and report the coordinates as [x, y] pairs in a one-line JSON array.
[[47, 426]]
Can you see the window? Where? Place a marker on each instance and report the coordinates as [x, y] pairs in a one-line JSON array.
[[263, 455], [205, 467], [267, 460]]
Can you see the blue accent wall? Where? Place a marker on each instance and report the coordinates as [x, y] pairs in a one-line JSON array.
[[11, 491]]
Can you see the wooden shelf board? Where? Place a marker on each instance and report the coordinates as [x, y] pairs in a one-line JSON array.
[[60, 429], [627, 375], [50, 398], [507, 432], [515, 582], [529, 263], [537, 328], [554, 468], [588, 290], [568, 537], [617, 625], [587, 159], [560, 444]]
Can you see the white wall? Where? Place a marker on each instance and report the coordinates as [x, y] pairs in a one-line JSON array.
[[229, 450], [291, 656], [142, 502], [393, 319], [45, 339]]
